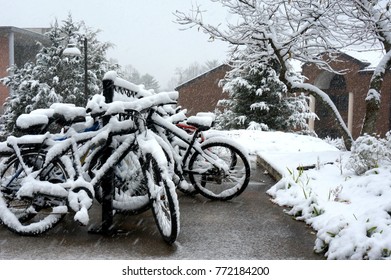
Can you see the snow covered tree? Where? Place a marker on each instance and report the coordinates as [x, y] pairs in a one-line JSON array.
[[282, 31], [131, 74], [258, 100], [149, 82], [55, 77], [371, 24]]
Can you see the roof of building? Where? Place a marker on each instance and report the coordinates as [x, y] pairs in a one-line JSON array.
[[202, 75], [23, 34], [371, 57], [368, 59]]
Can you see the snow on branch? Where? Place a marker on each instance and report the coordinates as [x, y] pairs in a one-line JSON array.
[[326, 99]]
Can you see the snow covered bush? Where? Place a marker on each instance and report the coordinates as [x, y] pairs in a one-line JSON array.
[[368, 152], [336, 142]]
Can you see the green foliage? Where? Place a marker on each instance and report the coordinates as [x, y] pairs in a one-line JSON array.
[[386, 253], [371, 231]]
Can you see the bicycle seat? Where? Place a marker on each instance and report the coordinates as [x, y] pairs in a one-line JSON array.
[[31, 123], [202, 123], [68, 113]]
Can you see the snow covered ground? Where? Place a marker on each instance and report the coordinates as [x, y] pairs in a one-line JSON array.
[[351, 214]]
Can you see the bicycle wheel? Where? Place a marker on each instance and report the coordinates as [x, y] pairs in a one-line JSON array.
[[130, 194], [224, 180], [164, 201], [34, 213]]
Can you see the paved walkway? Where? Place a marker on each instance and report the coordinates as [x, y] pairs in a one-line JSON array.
[[248, 227]]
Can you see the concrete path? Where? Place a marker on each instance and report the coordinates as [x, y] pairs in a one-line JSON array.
[[248, 227]]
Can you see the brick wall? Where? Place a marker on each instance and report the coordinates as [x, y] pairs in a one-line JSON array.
[[357, 82], [202, 93]]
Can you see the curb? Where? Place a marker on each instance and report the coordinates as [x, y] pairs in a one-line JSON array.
[[270, 169]]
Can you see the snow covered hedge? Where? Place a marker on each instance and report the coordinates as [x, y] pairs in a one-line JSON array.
[[345, 197], [369, 152]]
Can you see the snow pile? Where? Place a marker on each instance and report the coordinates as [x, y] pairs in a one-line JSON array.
[[351, 213]]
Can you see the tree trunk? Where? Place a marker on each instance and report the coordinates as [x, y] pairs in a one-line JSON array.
[[374, 93], [371, 115], [373, 97]]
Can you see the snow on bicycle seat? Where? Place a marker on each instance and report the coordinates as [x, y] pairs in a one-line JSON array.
[[201, 122], [68, 113], [46, 111], [32, 122], [207, 114]]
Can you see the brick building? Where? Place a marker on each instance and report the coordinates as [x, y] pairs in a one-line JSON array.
[[202, 93], [349, 92], [17, 46]]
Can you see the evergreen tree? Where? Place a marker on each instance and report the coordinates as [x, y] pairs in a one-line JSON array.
[[55, 77], [131, 74], [149, 82], [259, 100]]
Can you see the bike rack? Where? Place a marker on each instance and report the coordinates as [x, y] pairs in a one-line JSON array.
[[106, 226]]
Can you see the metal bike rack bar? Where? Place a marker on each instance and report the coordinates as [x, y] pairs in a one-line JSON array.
[[106, 226]]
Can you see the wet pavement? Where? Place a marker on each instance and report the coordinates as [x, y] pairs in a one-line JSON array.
[[247, 227]]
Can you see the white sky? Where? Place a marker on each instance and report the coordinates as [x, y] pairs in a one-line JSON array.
[[143, 31]]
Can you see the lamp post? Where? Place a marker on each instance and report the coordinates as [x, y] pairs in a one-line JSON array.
[[72, 51], [85, 68]]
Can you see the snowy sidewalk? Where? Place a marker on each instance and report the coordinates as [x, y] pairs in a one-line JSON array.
[[351, 213]]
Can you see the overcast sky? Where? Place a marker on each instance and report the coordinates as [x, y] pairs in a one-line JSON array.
[[143, 31]]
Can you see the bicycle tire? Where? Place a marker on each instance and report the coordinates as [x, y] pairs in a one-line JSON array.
[[36, 213], [217, 184], [164, 201], [130, 194]]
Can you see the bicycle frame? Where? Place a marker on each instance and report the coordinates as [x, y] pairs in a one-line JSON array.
[[189, 142]]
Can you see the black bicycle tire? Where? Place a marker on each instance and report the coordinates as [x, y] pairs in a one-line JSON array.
[[170, 202], [237, 189]]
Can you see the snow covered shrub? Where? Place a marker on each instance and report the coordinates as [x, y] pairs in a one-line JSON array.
[[336, 142], [367, 153]]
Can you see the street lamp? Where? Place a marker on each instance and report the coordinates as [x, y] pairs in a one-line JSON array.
[[72, 51]]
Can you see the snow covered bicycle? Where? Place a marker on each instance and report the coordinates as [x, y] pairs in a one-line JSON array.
[[31, 200], [218, 168], [152, 159], [49, 180]]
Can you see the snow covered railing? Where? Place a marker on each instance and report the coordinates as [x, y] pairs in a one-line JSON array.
[[117, 89], [125, 96], [98, 105]]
